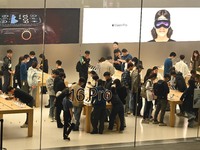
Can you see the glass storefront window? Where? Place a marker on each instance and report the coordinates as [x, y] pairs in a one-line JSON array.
[[62, 33]]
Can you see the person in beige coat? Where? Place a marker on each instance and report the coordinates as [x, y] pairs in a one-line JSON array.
[[105, 66]]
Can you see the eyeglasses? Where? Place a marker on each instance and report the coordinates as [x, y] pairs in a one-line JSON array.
[[162, 23]]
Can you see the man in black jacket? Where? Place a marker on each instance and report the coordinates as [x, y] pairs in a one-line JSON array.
[[108, 79], [99, 110], [161, 90], [33, 58], [83, 65], [7, 70], [59, 85]]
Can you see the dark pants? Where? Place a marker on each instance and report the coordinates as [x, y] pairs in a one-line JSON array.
[[147, 109], [137, 103], [30, 104], [6, 76], [181, 109], [58, 112], [117, 110], [0, 83], [161, 106], [98, 117], [68, 127]]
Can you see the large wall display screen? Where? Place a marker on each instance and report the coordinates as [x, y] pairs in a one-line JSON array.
[[105, 25], [25, 26]]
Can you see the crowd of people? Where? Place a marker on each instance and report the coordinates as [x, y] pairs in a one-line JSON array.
[[126, 93]]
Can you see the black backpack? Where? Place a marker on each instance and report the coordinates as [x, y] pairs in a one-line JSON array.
[[78, 66], [180, 82], [159, 88]]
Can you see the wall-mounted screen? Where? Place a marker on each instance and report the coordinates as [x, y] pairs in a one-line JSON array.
[[105, 25], [25, 26]]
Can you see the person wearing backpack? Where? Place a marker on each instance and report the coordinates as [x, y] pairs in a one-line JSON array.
[[161, 90], [150, 97], [126, 82], [83, 65]]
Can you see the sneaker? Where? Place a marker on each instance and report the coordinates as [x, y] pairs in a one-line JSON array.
[[24, 126], [155, 122], [53, 120], [129, 112], [60, 126], [66, 138], [47, 106], [162, 124], [145, 121]]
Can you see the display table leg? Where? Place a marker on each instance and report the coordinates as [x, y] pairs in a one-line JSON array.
[[88, 110], [172, 114], [30, 123]]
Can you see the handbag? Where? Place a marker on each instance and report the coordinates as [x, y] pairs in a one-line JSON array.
[[143, 91]]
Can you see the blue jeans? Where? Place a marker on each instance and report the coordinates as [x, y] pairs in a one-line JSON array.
[[77, 115], [52, 106], [147, 109]]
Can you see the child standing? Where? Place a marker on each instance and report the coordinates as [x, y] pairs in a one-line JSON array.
[[67, 108]]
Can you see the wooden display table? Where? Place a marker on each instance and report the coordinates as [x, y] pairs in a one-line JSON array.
[[173, 101], [88, 110], [11, 107]]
